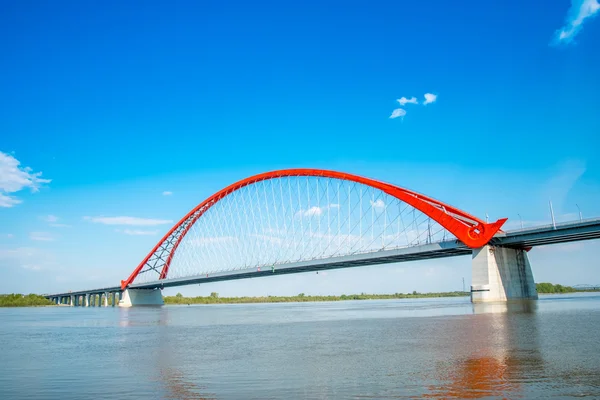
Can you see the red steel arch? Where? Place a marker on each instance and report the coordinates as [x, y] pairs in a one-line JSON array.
[[470, 230]]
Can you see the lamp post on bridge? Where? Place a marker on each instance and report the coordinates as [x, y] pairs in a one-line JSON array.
[[579, 209], [552, 215], [520, 219]]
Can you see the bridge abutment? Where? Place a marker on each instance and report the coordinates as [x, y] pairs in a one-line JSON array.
[[141, 297], [501, 274]]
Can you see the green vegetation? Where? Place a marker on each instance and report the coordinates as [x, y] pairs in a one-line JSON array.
[[546, 287], [34, 300], [215, 299], [21, 300]]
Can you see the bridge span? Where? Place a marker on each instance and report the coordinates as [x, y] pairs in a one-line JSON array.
[[294, 221]]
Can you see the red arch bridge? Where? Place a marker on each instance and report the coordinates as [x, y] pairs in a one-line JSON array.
[[301, 220]]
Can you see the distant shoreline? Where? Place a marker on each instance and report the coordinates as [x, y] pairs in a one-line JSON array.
[[34, 300], [302, 298]]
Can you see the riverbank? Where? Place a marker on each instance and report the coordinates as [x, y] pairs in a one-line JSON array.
[[34, 300], [214, 298], [21, 300]]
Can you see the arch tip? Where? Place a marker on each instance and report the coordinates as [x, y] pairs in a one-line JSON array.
[[487, 233]]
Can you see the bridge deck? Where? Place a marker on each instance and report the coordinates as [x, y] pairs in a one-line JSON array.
[[522, 238]]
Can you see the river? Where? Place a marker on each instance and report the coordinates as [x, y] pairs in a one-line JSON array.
[[374, 349]]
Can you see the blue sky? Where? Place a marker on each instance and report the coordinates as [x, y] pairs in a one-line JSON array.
[[117, 103]]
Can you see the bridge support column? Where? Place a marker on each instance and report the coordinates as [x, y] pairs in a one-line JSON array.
[[106, 299], [86, 300], [141, 297], [501, 274]]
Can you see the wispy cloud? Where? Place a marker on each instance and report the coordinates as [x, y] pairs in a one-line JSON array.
[[562, 182], [398, 112], [128, 221], [53, 221], [14, 178], [29, 258], [404, 100], [580, 11], [50, 218], [313, 211], [563, 248], [60, 225], [41, 236], [8, 201], [8, 235], [378, 205], [316, 211], [137, 232], [203, 241], [270, 239], [429, 98], [167, 193]]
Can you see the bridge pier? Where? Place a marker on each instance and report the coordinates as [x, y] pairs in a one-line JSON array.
[[501, 274], [141, 297]]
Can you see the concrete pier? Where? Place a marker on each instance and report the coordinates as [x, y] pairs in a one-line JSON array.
[[501, 274], [141, 297]]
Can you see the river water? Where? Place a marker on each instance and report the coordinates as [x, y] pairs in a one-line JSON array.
[[430, 348]]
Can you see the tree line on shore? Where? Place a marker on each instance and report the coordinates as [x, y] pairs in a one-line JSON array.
[[21, 300], [546, 287], [33, 300], [214, 298]]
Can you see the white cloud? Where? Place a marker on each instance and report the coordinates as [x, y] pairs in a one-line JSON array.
[[8, 235], [564, 180], [14, 178], [60, 225], [580, 11], [128, 221], [429, 98], [269, 239], [378, 205], [203, 241], [53, 221], [50, 218], [32, 267], [138, 232], [167, 193], [41, 236], [313, 211], [316, 211], [29, 258], [8, 201], [404, 100], [398, 112], [574, 247]]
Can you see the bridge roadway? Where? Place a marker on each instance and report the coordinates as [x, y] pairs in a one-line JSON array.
[[521, 238]]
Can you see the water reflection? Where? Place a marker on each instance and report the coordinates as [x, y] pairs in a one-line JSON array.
[[178, 388], [503, 351], [433, 349], [514, 306], [143, 316]]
